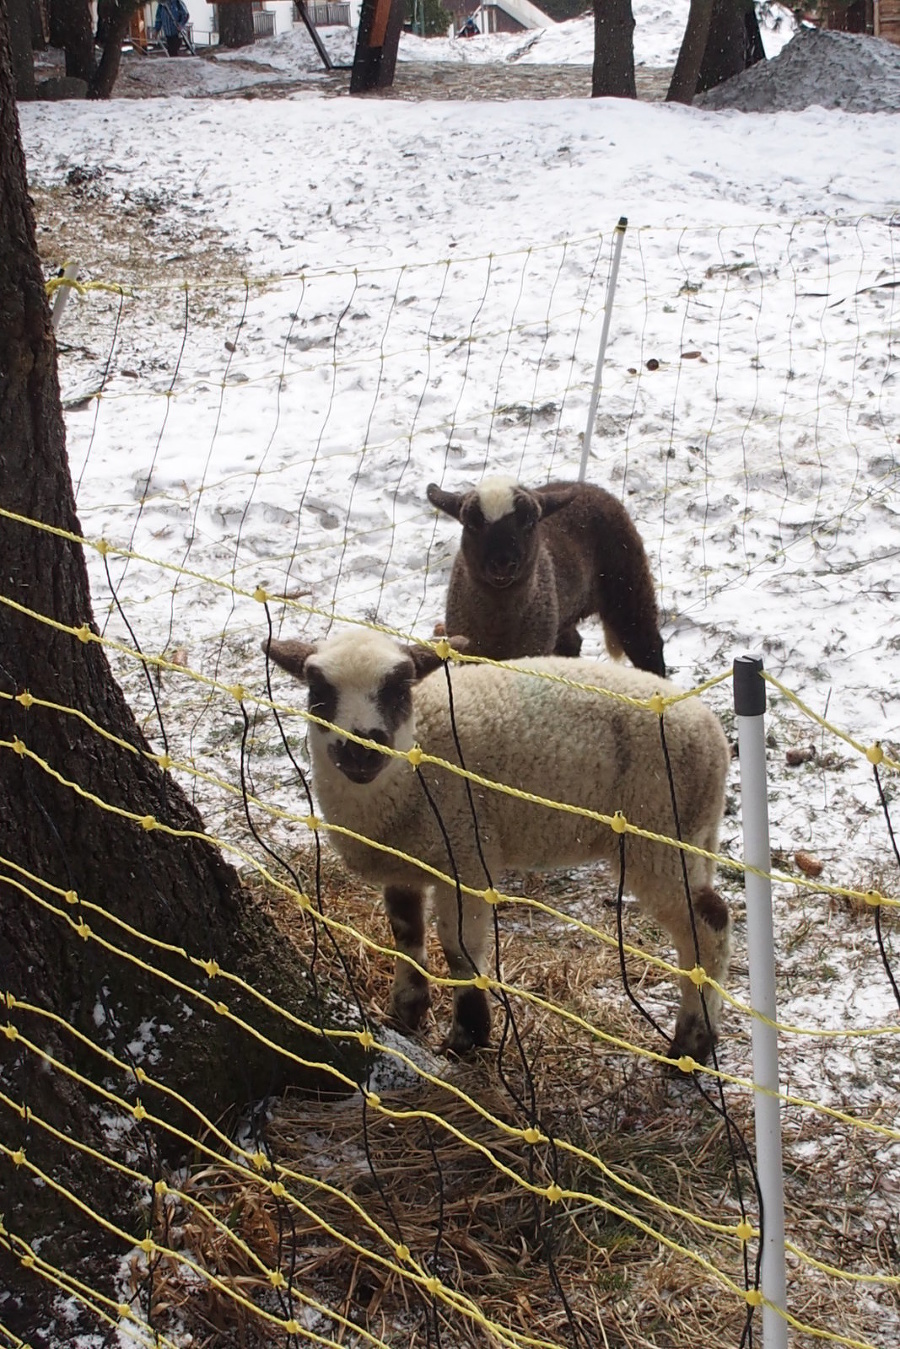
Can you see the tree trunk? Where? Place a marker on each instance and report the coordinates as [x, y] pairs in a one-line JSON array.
[[116, 19], [613, 72], [683, 85], [734, 43], [235, 25], [20, 48], [40, 25], [59, 851], [71, 29]]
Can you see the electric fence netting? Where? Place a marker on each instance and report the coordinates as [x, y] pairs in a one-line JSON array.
[[250, 457]]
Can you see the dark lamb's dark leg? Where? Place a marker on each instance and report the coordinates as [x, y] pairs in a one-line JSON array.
[[568, 642], [629, 611], [644, 649]]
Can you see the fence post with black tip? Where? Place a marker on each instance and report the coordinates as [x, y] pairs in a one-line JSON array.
[[750, 708]]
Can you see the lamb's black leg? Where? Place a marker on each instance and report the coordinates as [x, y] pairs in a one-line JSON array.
[[623, 586], [630, 617], [463, 923], [411, 992], [568, 642], [645, 649]]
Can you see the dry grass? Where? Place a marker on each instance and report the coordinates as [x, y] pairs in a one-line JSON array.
[[582, 1271], [128, 232]]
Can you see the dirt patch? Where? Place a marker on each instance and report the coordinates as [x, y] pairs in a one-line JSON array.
[[414, 81], [133, 233], [503, 82]]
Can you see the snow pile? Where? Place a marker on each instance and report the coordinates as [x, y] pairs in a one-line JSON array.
[[291, 52], [658, 32], [657, 36], [825, 69]]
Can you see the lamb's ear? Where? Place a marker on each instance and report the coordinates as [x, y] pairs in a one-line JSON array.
[[527, 506], [291, 656], [425, 659], [448, 502], [554, 498], [471, 516]]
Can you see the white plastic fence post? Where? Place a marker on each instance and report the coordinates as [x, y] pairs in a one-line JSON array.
[[750, 707], [69, 273], [619, 239]]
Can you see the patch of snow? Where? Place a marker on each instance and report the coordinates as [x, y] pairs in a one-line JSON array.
[[291, 52], [398, 1070]]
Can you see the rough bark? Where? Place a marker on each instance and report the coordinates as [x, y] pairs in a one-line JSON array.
[[71, 29], [683, 85], [235, 25], [613, 71], [40, 24], [177, 890], [19, 16], [734, 43], [116, 17]]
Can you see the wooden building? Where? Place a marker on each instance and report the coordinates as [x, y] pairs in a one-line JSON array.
[[880, 18], [887, 20]]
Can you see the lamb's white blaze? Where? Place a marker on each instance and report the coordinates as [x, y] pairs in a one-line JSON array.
[[496, 496]]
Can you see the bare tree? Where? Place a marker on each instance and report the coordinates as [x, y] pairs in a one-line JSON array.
[[40, 24], [58, 851], [19, 18], [115, 20], [71, 28], [613, 71], [683, 85], [721, 39], [734, 43], [235, 24]]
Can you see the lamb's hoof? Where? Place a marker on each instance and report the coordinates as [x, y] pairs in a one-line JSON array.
[[407, 1014], [471, 1027], [460, 1045], [692, 1040]]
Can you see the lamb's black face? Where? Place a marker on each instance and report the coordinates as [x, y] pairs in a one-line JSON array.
[[365, 688], [501, 551]]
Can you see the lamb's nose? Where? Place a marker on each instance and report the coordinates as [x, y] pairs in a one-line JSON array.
[[359, 763]]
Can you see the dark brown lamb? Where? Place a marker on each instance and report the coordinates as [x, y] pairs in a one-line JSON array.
[[534, 562]]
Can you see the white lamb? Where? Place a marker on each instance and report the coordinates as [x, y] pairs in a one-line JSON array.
[[543, 737]]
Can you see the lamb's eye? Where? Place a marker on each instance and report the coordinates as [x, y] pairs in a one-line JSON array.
[[395, 687], [394, 700], [321, 696]]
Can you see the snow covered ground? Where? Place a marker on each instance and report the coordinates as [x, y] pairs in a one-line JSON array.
[[336, 302], [423, 301]]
